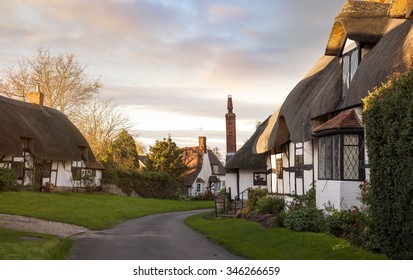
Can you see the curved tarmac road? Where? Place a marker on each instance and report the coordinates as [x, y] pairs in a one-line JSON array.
[[154, 237]]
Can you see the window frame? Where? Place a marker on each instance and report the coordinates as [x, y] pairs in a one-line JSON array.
[[350, 63], [198, 189], [215, 169], [258, 180], [341, 166], [19, 168], [76, 173]]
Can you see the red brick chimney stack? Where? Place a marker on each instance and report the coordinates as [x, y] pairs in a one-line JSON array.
[[202, 144], [231, 128]]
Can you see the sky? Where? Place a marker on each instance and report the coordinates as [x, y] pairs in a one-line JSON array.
[[170, 65]]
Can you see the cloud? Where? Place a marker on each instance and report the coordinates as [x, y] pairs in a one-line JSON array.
[[200, 102], [180, 58], [220, 13]]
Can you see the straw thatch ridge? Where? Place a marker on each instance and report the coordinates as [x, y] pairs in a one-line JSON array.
[[401, 8], [53, 136], [360, 21], [244, 158]]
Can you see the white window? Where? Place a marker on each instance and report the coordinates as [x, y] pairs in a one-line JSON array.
[[351, 61], [198, 187], [215, 169]]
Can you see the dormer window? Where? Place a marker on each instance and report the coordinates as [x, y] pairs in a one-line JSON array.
[[215, 169], [84, 152], [27, 144], [351, 60]]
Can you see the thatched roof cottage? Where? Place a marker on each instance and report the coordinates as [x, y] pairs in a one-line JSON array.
[[43, 146], [316, 136]]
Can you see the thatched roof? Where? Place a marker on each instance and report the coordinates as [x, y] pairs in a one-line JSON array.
[[244, 158], [275, 133], [319, 93], [401, 9], [360, 21], [53, 136]]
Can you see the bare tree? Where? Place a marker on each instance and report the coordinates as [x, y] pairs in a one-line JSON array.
[[100, 124], [63, 80]]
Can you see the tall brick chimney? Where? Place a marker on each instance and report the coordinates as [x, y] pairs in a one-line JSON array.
[[202, 144], [36, 97], [231, 128]]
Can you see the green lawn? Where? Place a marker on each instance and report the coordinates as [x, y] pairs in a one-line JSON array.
[[32, 246], [250, 240], [94, 211]]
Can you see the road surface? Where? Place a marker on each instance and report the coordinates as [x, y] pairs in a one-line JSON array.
[[154, 237]]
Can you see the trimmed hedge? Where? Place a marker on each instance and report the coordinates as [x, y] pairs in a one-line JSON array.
[[147, 184], [388, 119]]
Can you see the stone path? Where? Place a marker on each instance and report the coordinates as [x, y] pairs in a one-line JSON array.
[[29, 224]]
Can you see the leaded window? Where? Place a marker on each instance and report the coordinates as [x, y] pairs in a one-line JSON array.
[[350, 62], [340, 157], [76, 173], [18, 168]]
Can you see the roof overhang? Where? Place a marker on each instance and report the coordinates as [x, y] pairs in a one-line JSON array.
[[360, 21], [274, 134]]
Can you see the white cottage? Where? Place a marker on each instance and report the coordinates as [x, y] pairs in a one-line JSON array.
[[43, 147], [246, 170], [316, 137], [205, 171]]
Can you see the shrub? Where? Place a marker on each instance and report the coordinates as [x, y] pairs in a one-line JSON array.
[[304, 219], [270, 205], [340, 223], [307, 200], [303, 215], [254, 195], [388, 118], [7, 179], [204, 196]]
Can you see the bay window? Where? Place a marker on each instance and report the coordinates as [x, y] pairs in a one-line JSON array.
[[341, 157]]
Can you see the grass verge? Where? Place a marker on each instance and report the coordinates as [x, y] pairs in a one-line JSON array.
[[250, 240], [94, 211], [32, 246]]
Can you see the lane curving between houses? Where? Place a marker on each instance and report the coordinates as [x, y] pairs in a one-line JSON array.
[[153, 237]]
